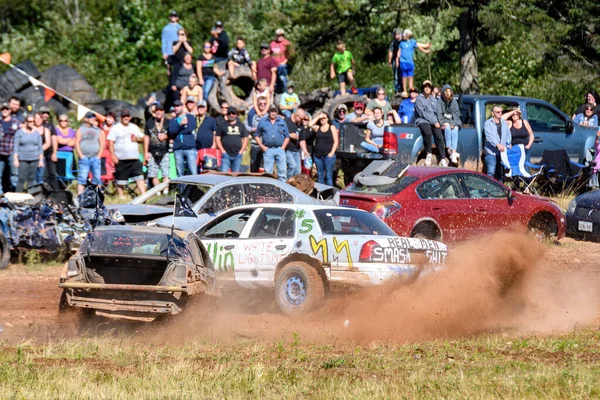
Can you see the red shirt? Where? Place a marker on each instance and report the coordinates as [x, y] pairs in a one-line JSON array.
[[279, 51], [263, 68]]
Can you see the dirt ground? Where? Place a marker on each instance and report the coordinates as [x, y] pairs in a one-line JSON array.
[[558, 294]]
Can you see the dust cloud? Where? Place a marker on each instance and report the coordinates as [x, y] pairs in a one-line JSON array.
[[492, 284]]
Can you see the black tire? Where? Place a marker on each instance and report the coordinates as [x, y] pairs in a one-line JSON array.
[[425, 231], [298, 288], [5, 252], [347, 99], [244, 81], [117, 105], [544, 227]]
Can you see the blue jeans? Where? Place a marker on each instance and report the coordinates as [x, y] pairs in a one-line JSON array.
[[370, 147], [293, 162], [39, 175], [325, 169], [397, 81], [451, 136], [86, 165], [188, 156], [14, 174], [282, 78], [275, 155], [490, 163], [287, 113], [233, 162], [209, 81]]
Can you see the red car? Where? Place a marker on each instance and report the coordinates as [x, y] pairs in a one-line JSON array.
[[448, 204]]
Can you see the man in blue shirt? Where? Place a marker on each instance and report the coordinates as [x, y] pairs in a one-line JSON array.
[[273, 137], [497, 140], [169, 35], [182, 131], [405, 58]]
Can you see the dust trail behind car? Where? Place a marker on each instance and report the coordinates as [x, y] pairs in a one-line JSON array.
[[493, 284]]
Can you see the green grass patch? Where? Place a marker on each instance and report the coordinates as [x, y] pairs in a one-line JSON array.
[[565, 366]]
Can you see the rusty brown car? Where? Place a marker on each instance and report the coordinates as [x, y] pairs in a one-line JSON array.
[[136, 271]]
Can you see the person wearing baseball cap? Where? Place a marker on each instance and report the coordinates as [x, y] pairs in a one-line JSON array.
[[181, 131], [232, 139], [427, 121], [405, 59], [219, 42], [280, 52], [206, 127], [123, 139], [89, 145], [169, 35], [357, 116], [273, 137]]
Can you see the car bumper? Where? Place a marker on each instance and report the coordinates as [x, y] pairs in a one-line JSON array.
[[374, 273], [573, 228]]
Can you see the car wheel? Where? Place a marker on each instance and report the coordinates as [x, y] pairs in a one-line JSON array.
[[5, 252], [426, 231], [298, 288], [544, 227]]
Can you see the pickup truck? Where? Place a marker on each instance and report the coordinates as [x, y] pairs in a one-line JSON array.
[[552, 129]]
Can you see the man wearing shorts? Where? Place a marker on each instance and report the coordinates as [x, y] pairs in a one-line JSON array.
[[156, 146], [342, 64], [123, 140], [404, 58]]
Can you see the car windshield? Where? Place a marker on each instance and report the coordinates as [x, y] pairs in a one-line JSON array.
[[134, 243], [399, 185], [351, 222], [192, 191]]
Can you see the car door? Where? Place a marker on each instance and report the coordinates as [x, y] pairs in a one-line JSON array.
[[443, 200], [489, 204], [222, 238], [268, 242], [550, 132]]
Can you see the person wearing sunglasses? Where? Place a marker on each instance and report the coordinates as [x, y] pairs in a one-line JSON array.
[[206, 70], [379, 102], [65, 135], [497, 139], [273, 137], [325, 145], [231, 140], [181, 131], [28, 153]]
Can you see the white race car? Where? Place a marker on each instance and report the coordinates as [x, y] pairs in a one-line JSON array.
[[300, 250]]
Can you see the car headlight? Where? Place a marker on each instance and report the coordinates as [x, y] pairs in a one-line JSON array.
[[572, 206]]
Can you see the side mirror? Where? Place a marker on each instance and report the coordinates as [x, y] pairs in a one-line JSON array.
[[510, 195], [570, 127]]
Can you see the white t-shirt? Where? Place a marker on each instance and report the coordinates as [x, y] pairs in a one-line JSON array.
[[125, 149]]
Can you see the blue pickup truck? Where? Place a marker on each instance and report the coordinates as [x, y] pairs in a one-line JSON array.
[[552, 129]]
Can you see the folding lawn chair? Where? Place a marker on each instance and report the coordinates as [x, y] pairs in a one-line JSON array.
[[515, 171], [560, 173]]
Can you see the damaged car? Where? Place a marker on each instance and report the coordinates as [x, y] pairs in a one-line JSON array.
[[135, 271], [301, 251]]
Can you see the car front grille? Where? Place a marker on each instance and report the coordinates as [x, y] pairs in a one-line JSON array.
[[586, 212]]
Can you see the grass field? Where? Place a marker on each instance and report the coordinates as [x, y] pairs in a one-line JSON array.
[[565, 366]]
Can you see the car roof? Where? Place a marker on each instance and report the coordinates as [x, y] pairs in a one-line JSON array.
[[216, 178], [427, 172], [296, 206]]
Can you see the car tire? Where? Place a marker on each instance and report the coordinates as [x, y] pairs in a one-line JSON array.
[[544, 227], [298, 288], [5, 252], [425, 231]]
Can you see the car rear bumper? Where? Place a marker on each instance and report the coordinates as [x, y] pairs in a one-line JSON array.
[[124, 306]]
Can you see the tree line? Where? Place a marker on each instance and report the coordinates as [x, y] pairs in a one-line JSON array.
[[548, 49]]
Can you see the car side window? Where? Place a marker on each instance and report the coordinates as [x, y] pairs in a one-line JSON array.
[[226, 226], [262, 194], [223, 199], [542, 118], [274, 223], [440, 188], [481, 187]]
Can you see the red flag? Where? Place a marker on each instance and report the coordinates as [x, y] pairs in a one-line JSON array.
[[48, 94], [5, 58]]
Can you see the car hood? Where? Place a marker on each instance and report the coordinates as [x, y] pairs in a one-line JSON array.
[[589, 200], [141, 209], [188, 224]]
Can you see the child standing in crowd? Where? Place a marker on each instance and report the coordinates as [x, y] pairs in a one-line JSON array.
[[289, 101], [28, 153], [405, 58], [342, 64], [261, 89], [193, 89]]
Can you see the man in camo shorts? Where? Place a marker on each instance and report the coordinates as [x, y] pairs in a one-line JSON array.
[[156, 146]]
